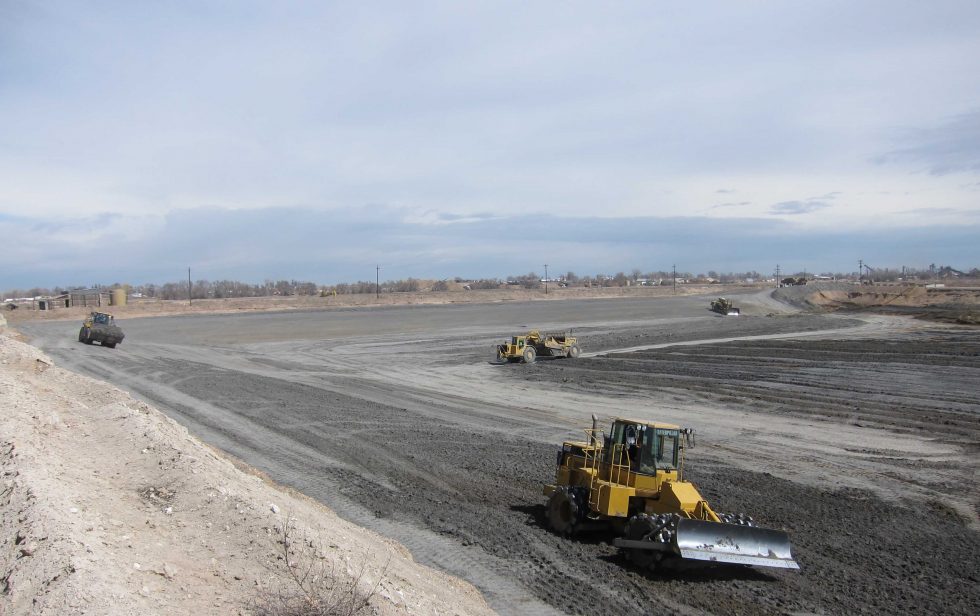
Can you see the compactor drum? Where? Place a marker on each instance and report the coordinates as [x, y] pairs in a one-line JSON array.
[[630, 481]]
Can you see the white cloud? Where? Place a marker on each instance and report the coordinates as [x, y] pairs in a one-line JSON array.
[[455, 111]]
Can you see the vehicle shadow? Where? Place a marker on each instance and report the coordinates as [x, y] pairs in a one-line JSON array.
[[691, 571], [537, 516]]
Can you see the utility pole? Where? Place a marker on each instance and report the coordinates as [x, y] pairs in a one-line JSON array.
[[190, 301], [860, 270], [673, 269], [777, 275], [377, 281], [545, 278]]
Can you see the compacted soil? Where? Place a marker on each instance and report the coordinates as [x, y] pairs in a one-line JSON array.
[[109, 507], [857, 435]]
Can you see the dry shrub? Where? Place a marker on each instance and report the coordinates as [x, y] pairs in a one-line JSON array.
[[308, 586]]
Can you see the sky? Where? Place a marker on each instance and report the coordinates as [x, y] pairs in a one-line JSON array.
[[317, 140]]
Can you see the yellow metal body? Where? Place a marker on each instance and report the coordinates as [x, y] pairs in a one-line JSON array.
[[618, 487], [632, 482], [98, 317], [543, 344], [514, 349]]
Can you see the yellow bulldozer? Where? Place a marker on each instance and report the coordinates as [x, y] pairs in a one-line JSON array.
[[530, 346], [631, 482], [725, 307]]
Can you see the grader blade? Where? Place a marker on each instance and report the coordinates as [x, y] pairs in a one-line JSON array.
[[734, 543]]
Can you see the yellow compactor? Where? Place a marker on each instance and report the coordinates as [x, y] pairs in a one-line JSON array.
[[630, 481]]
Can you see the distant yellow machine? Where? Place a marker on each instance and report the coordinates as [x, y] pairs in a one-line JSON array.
[[631, 482], [725, 307], [100, 327], [528, 347]]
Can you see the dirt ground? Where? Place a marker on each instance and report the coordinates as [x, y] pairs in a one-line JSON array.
[[857, 434], [151, 307], [110, 507]]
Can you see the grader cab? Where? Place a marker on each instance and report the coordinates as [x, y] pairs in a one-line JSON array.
[[631, 482]]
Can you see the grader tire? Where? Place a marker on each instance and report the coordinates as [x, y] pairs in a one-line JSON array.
[[529, 355]]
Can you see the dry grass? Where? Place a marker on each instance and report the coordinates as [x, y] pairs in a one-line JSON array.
[[151, 307], [306, 585]]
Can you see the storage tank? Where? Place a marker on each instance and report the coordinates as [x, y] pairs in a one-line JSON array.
[[118, 297]]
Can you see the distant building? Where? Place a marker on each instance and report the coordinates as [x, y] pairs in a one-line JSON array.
[[88, 297], [50, 303]]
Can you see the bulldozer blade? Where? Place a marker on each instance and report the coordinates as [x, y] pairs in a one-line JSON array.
[[733, 543]]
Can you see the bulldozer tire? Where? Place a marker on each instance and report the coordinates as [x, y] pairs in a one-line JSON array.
[[566, 508], [81, 335], [88, 336], [529, 355], [574, 351], [111, 345]]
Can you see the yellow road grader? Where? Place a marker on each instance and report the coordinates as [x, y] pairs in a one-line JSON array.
[[528, 347], [630, 481]]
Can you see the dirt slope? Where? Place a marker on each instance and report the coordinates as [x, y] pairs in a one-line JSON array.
[[109, 507], [954, 305]]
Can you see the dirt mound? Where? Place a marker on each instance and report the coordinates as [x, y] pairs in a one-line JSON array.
[[897, 296], [109, 507], [955, 305]]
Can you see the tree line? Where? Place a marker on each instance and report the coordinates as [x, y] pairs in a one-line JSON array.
[[221, 289]]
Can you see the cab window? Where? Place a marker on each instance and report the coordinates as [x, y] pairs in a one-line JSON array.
[[666, 449]]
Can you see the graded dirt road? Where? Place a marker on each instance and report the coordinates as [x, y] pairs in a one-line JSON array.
[[857, 435]]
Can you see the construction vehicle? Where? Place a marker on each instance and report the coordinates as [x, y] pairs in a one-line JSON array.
[[528, 347], [631, 482], [100, 327], [725, 306]]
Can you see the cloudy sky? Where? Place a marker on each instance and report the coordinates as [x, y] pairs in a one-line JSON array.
[[314, 140]]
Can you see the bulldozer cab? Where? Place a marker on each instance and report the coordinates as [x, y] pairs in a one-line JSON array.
[[649, 447], [518, 341], [101, 318]]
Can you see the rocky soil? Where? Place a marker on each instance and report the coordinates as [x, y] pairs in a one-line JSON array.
[[858, 435], [110, 507]]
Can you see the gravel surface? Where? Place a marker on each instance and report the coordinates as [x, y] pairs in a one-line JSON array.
[[857, 436]]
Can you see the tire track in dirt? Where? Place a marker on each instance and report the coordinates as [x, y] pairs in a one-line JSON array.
[[417, 436]]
